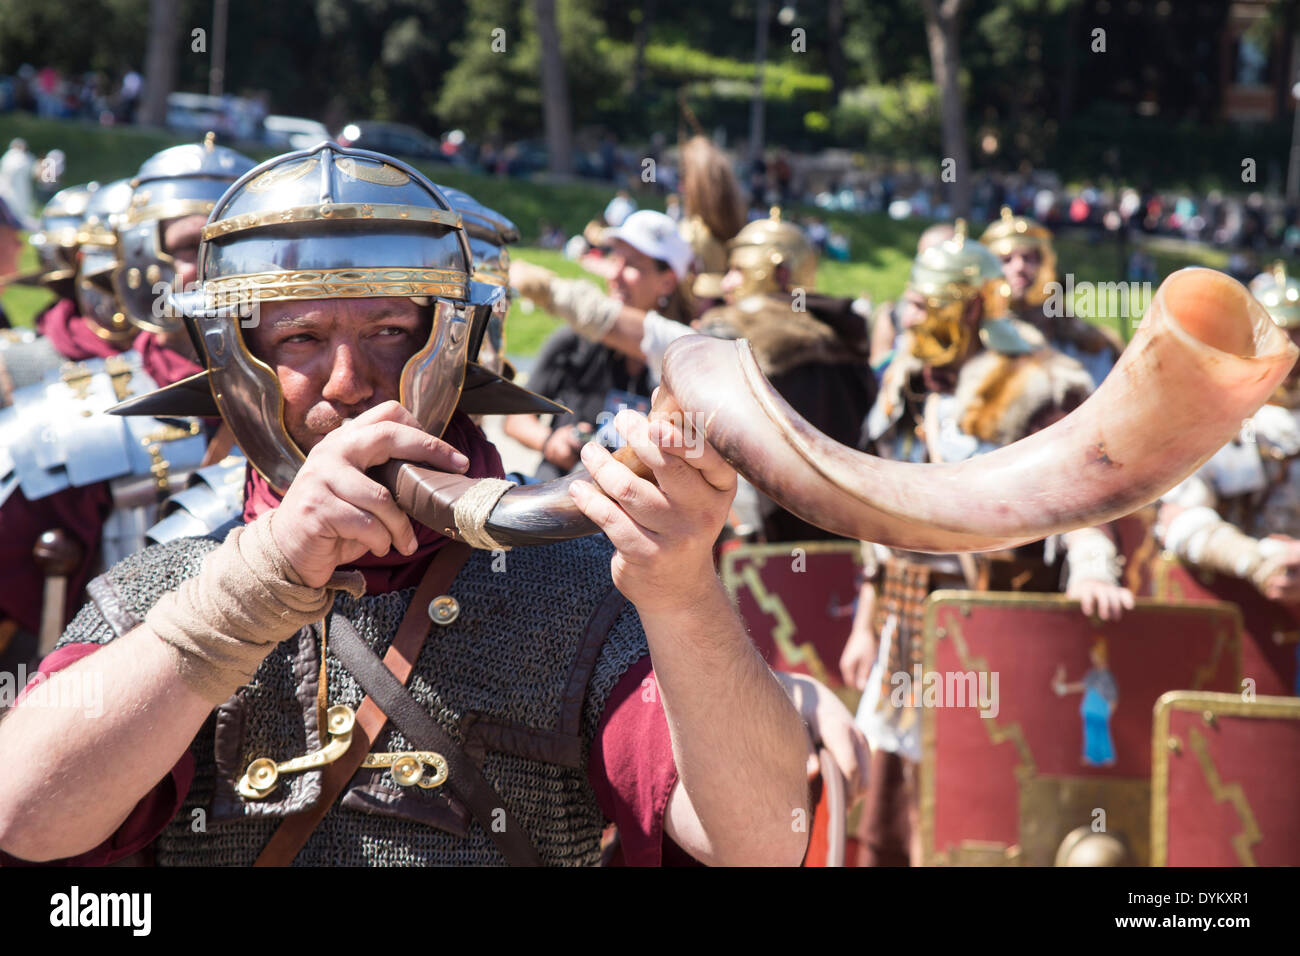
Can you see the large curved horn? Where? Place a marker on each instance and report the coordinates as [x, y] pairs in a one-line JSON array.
[[1205, 358]]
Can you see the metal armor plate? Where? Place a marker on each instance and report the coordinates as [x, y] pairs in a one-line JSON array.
[[55, 436], [214, 497]]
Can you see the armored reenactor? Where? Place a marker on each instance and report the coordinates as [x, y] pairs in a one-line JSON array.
[[69, 329], [540, 701], [1239, 515], [1029, 265], [965, 380], [813, 348], [215, 493], [72, 480]]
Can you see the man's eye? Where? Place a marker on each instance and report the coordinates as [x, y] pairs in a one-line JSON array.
[[392, 331], [297, 338]]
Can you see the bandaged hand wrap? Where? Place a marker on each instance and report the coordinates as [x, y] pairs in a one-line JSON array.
[[245, 599]]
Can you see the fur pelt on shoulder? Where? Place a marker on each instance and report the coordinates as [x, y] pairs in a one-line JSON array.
[[782, 337], [998, 396]]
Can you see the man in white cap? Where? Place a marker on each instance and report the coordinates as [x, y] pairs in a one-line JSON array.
[[649, 264]]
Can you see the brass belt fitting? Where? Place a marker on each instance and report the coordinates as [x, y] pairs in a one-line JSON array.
[[408, 768], [263, 774]]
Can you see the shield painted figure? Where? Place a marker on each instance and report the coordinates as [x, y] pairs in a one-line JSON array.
[[1225, 775], [1036, 720], [797, 600]]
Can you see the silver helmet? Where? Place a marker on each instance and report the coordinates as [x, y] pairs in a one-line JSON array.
[[489, 234], [179, 181], [57, 237], [329, 223], [97, 258]]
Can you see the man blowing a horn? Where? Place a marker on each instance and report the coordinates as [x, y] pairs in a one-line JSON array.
[[521, 703]]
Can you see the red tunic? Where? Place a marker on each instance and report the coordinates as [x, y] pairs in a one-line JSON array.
[[630, 768]]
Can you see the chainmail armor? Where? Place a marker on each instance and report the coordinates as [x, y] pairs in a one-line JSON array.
[[507, 658], [24, 360]]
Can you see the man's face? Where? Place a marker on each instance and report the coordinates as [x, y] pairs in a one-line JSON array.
[[336, 358], [911, 310], [637, 280], [180, 239], [11, 248], [1020, 266]]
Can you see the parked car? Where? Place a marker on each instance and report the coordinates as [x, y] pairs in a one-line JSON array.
[[395, 139], [292, 132], [231, 117]]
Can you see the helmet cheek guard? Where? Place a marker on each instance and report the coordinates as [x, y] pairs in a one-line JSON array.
[[96, 259], [145, 273]]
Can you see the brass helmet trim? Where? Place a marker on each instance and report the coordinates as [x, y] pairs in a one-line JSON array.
[[763, 245], [424, 256]]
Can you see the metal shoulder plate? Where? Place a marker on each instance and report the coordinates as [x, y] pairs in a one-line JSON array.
[[215, 496], [55, 434], [25, 358]]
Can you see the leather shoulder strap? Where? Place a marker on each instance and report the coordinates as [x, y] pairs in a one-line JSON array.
[[417, 726], [292, 834]]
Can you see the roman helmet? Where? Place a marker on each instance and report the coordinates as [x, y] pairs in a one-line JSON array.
[[179, 181], [331, 223], [97, 257], [949, 276], [1279, 294], [489, 233], [56, 239], [1012, 232], [763, 245]]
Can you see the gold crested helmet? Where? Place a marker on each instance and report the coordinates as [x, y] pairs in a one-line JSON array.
[[710, 258], [1010, 233], [1279, 294], [57, 237], [762, 246], [949, 276]]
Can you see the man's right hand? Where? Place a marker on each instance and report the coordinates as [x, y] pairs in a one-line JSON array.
[[334, 513]]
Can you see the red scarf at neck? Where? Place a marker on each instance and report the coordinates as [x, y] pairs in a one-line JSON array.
[[395, 570], [164, 364], [73, 336]]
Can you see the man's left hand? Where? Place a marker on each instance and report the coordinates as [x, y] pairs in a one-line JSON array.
[[665, 533]]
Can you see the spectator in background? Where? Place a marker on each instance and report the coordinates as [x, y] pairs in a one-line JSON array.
[[619, 208], [129, 97], [16, 180]]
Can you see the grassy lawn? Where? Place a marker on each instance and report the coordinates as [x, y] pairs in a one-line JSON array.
[[881, 248]]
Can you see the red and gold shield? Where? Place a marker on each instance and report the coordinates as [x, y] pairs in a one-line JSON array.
[[1270, 648], [1040, 720], [1225, 775], [797, 600]]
